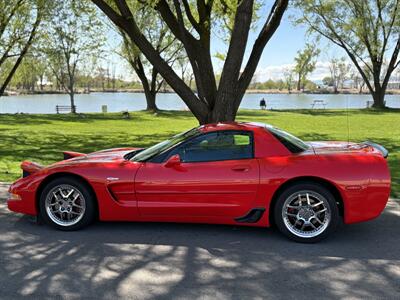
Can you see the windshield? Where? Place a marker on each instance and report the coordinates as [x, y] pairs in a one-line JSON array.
[[165, 145], [292, 143]]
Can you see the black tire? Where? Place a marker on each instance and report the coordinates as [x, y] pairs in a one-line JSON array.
[[86, 215], [287, 224]]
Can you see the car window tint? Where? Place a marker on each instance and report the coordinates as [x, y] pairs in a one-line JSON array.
[[215, 146]]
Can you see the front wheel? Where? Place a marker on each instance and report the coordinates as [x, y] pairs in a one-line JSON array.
[[67, 204], [306, 212]]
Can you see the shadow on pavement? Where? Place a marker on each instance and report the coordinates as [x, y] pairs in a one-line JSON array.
[[159, 260]]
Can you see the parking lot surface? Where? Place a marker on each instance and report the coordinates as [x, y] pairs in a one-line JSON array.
[[181, 261]]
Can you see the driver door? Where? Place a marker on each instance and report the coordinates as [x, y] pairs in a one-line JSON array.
[[217, 176]]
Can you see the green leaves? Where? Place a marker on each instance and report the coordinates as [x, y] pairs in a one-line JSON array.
[[367, 30], [305, 62], [19, 24], [74, 34]]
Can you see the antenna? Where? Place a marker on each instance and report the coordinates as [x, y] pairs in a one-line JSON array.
[[347, 119]]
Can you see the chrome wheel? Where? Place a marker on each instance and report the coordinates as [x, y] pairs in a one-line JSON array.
[[306, 214], [65, 205]]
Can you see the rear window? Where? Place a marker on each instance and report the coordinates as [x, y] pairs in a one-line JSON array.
[[292, 143]]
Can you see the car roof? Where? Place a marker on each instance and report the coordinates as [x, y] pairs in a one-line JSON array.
[[232, 126]]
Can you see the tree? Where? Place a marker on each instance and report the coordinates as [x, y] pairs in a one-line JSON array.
[[328, 81], [339, 70], [368, 31], [211, 103], [305, 63], [88, 71], [358, 81], [288, 75], [165, 45], [75, 33], [19, 23], [397, 78], [183, 65], [26, 77]]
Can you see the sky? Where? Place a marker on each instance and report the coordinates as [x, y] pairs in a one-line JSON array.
[[278, 54], [284, 45]]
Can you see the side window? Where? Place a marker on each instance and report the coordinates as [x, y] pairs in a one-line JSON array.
[[224, 145]]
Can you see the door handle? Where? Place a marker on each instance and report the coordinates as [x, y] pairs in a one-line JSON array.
[[241, 168]]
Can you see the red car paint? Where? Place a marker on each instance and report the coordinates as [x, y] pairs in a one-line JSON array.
[[219, 191]]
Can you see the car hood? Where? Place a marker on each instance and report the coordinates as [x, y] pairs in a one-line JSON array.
[[115, 155], [108, 155]]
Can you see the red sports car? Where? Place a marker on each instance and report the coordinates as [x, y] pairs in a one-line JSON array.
[[227, 173]]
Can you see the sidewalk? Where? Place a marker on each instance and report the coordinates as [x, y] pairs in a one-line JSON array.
[[3, 190]]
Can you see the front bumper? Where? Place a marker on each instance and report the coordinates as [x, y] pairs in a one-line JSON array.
[[24, 205]]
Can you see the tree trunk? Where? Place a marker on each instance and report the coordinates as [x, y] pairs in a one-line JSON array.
[[150, 90], [299, 83], [223, 114], [12, 72], [41, 82], [210, 104], [226, 109], [151, 101], [72, 99], [379, 99]]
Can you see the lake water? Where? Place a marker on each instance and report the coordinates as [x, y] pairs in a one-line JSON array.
[[117, 102]]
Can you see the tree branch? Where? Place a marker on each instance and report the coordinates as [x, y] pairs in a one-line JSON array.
[[269, 28], [237, 45], [23, 52], [190, 16], [130, 27]]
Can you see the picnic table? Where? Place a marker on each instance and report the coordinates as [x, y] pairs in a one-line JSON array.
[[317, 103]]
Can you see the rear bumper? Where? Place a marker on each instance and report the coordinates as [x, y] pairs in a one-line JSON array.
[[369, 204]]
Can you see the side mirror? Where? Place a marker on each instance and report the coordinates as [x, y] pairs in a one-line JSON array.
[[173, 161]]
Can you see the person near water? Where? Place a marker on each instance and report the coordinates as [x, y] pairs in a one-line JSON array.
[[263, 104]]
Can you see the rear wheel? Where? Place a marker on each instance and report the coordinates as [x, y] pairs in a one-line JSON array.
[[306, 212], [67, 204]]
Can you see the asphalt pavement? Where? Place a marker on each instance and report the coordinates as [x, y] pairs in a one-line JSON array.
[[181, 261]]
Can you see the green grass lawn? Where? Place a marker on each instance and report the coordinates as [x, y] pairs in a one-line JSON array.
[[41, 138]]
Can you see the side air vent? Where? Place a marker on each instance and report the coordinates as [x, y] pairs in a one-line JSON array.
[[253, 216], [122, 191]]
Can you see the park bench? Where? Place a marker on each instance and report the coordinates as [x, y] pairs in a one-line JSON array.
[[320, 103], [60, 108]]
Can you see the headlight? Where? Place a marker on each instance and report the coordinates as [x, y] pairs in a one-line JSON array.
[[13, 197]]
